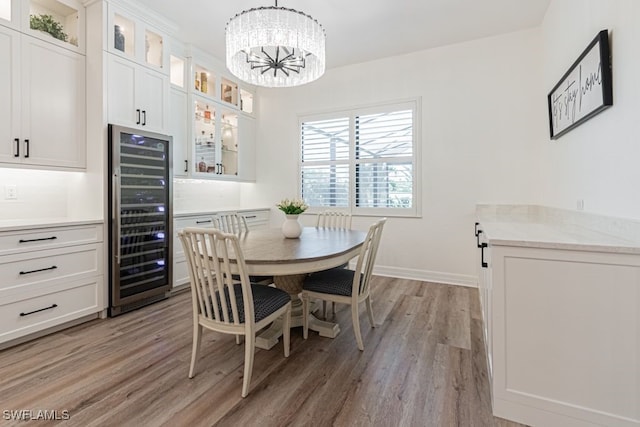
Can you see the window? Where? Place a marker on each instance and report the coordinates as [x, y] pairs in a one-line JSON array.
[[363, 161]]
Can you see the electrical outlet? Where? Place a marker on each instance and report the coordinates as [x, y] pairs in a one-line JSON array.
[[10, 192]]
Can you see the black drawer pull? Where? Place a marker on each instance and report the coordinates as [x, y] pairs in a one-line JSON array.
[[250, 216], [476, 229], [186, 165], [483, 264], [478, 237], [37, 240], [204, 221], [53, 267], [37, 311], [17, 151]]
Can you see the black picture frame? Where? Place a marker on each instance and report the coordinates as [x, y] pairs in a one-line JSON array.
[[585, 89]]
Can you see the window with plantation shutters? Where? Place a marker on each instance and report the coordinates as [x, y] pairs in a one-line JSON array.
[[362, 161]]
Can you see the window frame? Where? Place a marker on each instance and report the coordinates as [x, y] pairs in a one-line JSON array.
[[413, 104]]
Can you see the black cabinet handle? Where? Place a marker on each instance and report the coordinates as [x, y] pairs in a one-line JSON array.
[[53, 267], [144, 117], [250, 216], [26, 148], [17, 152], [476, 228], [478, 237], [137, 116], [186, 165], [483, 264], [37, 311], [204, 222], [37, 240]]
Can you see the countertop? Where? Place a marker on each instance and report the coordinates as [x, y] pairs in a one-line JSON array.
[[36, 223], [552, 228]]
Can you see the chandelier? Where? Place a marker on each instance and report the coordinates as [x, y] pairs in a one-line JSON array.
[[275, 47]]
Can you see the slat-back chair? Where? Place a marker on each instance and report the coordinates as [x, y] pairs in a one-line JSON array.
[[224, 304], [346, 286], [333, 219]]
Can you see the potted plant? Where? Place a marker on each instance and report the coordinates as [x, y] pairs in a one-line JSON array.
[[292, 208], [48, 24]]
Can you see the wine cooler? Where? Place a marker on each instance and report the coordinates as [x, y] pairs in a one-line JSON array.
[[139, 195]]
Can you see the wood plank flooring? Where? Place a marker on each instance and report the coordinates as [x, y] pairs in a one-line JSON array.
[[423, 365]]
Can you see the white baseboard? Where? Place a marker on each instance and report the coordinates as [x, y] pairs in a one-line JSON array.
[[427, 276]]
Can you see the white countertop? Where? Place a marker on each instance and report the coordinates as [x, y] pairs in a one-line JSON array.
[[36, 223], [551, 228]]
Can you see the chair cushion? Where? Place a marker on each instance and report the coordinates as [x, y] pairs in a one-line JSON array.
[[266, 300], [336, 281]]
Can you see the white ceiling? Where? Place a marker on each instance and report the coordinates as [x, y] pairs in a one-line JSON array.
[[363, 30]]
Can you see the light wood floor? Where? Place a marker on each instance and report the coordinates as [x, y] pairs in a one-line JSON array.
[[423, 365]]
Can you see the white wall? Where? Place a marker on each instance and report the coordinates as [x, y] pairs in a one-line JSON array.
[[483, 117], [598, 160]]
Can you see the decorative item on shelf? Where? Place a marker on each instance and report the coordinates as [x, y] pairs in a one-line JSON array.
[[203, 82], [202, 166], [275, 47], [118, 38], [47, 24], [197, 81], [207, 114], [291, 228]]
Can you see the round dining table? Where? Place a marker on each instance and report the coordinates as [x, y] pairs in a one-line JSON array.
[[268, 253]]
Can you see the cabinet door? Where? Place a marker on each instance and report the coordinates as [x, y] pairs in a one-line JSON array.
[[121, 92], [9, 95], [178, 120], [53, 105], [152, 88], [246, 148]]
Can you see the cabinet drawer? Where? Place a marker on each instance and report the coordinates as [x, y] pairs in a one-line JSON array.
[[180, 273], [30, 315], [22, 272], [257, 219], [46, 238]]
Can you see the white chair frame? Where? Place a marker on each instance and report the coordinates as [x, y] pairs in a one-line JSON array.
[[231, 223], [207, 251], [360, 288]]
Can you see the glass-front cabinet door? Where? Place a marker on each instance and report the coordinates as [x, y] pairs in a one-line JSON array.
[[206, 152], [229, 143], [133, 39]]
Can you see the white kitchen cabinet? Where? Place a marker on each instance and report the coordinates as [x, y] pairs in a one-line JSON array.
[[256, 219], [223, 142], [178, 129], [51, 276], [133, 38], [34, 132], [561, 324], [58, 22], [137, 96]]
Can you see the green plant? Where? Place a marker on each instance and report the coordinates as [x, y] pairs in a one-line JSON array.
[[292, 207], [49, 25]]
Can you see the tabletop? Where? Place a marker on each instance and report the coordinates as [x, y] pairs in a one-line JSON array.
[[267, 251]]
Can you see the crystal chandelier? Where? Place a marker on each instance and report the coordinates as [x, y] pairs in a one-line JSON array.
[[275, 47]]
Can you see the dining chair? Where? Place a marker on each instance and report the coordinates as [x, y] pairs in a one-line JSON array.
[[333, 219], [235, 223], [346, 286], [224, 304], [231, 223]]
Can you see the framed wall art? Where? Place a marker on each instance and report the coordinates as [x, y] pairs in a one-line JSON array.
[[584, 90]]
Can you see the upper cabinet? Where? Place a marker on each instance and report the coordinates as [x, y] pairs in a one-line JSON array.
[[42, 94], [60, 22], [134, 39], [138, 68]]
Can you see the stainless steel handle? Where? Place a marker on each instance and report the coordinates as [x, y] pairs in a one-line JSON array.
[[116, 213]]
